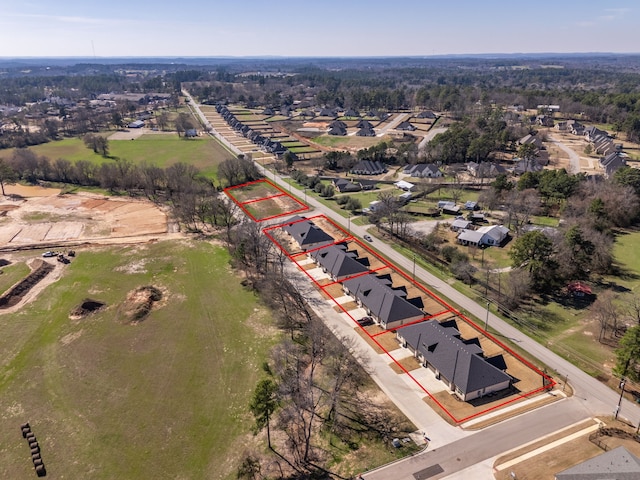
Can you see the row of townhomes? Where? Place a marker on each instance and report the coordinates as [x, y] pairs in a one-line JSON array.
[[459, 363]]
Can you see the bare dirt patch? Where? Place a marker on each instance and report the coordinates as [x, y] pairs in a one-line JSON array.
[[87, 307], [45, 217], [140, 302]]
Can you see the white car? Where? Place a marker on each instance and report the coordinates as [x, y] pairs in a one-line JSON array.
[[49, 254]]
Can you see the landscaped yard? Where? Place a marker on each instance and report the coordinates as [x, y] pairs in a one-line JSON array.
[[163, 398]]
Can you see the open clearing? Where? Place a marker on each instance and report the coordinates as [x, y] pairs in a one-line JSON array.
[[157, 148], [52, 219], [165, 397]]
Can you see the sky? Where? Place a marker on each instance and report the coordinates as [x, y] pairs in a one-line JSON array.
[[312, 28]]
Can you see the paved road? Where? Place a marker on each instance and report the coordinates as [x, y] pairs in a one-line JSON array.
[[574, 159], [591, 397], [485, 444], [429, 136], [401, 117]]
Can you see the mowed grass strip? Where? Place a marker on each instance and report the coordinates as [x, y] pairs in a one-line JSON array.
[[164, 398]]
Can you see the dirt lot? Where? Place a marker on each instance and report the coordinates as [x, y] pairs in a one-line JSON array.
[[36, 216]]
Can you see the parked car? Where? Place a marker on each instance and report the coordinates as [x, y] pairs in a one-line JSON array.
[[49, 254], [368, 238], [365, 321]]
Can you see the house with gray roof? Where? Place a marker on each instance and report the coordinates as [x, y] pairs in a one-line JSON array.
[[344, 185], [612, 162], [306, 233], [387, 305], [491, 235], [427, 114], [369, 167], [460, 364], [616, 464], [423, 170], [339, 262]]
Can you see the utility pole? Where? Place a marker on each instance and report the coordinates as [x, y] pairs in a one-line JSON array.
[[622, 384], [414, 266], [486, 322]]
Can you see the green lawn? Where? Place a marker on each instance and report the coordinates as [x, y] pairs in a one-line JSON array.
[[166, 398], [12, 274], [204, 153], [545, 221], [625, 251]]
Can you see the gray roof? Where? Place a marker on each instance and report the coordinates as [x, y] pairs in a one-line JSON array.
[[418, 169], [369, 167], [389, 305], [307, 233], [616, 464], [460, 363], [339, 262]]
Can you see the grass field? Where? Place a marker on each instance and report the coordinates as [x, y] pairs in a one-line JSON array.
[[12, 274], [161, 150], [348, 142], [165, 398]]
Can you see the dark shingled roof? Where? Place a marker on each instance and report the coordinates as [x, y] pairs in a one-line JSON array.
[[616, 464], [339, 262], [307, 233], [389, 305], [460, 363]]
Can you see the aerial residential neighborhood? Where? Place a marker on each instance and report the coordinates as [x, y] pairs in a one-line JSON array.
[[243, 241]]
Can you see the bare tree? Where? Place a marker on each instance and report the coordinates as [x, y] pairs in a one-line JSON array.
[[606, 312]]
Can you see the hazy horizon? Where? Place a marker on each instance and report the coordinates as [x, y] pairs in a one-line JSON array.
[[288, 29]]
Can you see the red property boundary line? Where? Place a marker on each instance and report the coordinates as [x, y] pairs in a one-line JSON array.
[[549, 382], [303, 206]]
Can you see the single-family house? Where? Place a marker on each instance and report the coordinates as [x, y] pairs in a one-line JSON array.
[[268, 111], [423, 170], [351, 113], [388, 306], [592, 133], [405, 127], [471, 205], [490, 235], [529, 165], [544, 120], [612, 162], [343, 185], [327, 112], [530, 140], [382, 116], [337, 131], [616, 464], [366, 132], [369, 167], [485, 169], [338, 262], [306, 233], [460, 364], [364, 124], [136, 124], [427, 114]]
